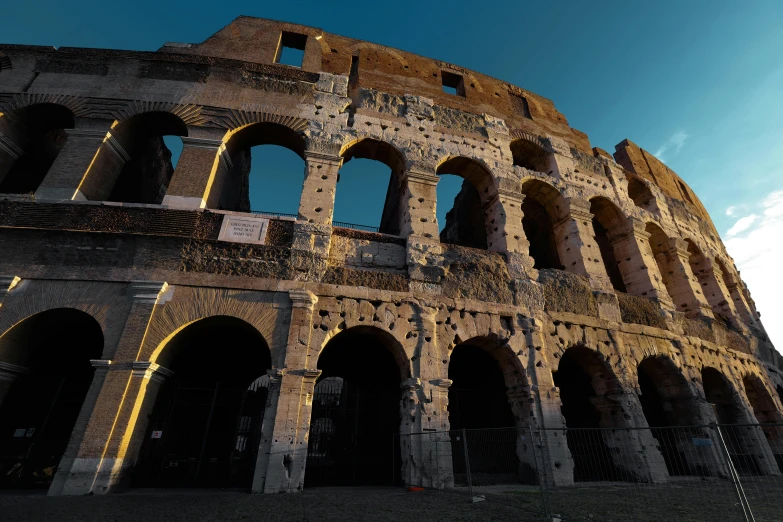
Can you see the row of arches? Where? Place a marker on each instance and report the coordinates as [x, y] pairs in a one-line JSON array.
[[206, 423]]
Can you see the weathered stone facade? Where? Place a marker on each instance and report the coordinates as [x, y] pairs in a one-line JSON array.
[[604, 262]]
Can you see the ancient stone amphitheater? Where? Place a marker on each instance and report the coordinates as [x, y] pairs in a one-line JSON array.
[[156, 332]]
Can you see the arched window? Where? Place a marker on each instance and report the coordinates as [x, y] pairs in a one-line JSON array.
[[465, 223], [608, 221], [714, 290], [529, 154], [368, 187], [264, 171], [540, 209], [659, 245], [142, 169], [38, 132]]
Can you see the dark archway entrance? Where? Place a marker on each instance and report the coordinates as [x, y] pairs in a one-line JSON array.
[[540, 210], [50, 355], [588, 392], [485, 382], [766, 412], [355, 421], [719, 392], [667, 401], [205, 427]]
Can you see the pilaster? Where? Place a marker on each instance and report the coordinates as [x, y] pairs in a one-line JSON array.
[[683, 286], [200, 174]]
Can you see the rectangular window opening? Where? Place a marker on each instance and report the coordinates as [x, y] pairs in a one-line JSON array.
[[452, 83], [290, 51]]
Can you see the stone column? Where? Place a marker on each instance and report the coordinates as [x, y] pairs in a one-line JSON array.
[[637, 263], [683, 286], [117, 422], [200, 174], [78, 155], [8, 375], [420, 224], [503, 219], [65, 466], [313, 229], [282, 454], [103, 170], [576, 243], [740, 304]]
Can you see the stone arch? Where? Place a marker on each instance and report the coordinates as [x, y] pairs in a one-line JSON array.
[[592, 397], [713, 287], [467, 222], [383, 152], [202, 409], [386, 339], [134, 165], [230, 186], [542, 209], [760, 399], [528, 152], [373, 366], [46, 371], [33, 134], [608, 223], [640, 194], [659, 245], [489, 390]]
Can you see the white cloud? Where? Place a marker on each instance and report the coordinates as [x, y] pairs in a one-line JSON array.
[[741, 225], [676, 141], [756, 244], [731, 211]]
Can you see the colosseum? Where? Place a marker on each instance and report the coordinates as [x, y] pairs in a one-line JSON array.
[[155, 332]]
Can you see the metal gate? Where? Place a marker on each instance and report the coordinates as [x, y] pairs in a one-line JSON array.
[[202, 436], [353, 430]]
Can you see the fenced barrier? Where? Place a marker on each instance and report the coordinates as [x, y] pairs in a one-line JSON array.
[[689, 473]]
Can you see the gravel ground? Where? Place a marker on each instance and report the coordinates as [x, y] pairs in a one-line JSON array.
[[314, 505]]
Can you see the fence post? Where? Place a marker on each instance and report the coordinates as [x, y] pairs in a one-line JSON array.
[[542, 482], [467, 468], [437, 462], [746, 512]]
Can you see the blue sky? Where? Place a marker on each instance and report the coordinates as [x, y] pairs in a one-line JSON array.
[[696, 82]]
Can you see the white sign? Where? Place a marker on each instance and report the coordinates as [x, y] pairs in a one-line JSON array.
[[244, 229], [156, 434], [20, 432]]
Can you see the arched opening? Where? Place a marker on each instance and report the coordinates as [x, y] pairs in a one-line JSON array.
[[355, 420], [541, 208], [766, 412], [608, 221], [368, 187], [530, 155], [264, 170], [46, 370], [38, 131], [667, 401], [465, 224], [205, 427], [720, 393], [589, 395], [640, 193], [659, 245], [146, 161], [713, 289], [488, 398]]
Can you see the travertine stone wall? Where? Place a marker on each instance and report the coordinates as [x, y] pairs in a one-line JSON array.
[[146, 270]]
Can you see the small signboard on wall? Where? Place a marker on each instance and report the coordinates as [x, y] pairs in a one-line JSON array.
[[243, 229], [157, 434]]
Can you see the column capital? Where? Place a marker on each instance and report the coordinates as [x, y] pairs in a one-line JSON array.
[[421, 176], [87, 133], [115, 146], [301, 298], [679, 247], [201, 143], [150, 370], [321, 156], [633, 227], [442, 383], [148, 292]]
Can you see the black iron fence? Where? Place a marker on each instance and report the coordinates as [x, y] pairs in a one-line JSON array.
[[689, 473]]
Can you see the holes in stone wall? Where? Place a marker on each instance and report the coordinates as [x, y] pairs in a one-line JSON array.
[[290, 50], [38, 132]]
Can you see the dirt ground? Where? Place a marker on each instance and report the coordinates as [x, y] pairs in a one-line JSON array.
[[315, 505]]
